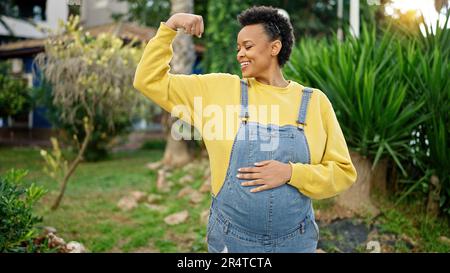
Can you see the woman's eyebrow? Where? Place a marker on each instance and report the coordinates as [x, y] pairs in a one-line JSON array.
[[246, 41]]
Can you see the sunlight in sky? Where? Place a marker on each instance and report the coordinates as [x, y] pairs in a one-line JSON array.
[[425, 7]]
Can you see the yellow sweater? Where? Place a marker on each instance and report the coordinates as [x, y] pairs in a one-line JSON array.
[[331, 170]]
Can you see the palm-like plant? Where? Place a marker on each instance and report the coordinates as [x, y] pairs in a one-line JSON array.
[[427, 76], [390, 92], [361, 78]]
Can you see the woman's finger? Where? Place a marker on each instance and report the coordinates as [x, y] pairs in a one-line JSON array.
[[186, 28], [249, 170], [248, 175], [190, 29], [262, 188], [198, 22], [202, 27], [262, 163], [196, 29], [253, 183]]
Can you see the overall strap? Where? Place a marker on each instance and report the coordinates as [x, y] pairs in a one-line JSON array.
[[303, 107], [244, 101]]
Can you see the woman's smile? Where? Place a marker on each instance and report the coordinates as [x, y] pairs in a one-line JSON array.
[[244, 65]]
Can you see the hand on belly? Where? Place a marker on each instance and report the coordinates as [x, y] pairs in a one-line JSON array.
[[269, 174]]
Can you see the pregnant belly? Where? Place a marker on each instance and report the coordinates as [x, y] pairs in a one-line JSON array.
[[271, 212]]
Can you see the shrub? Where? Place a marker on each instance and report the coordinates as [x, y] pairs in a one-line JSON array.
[[17, 220], [14, 94], [390, 91]]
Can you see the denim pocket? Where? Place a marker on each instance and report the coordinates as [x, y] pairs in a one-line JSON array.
[[215, 237], [303, 239], [267, 146], [212, 221]]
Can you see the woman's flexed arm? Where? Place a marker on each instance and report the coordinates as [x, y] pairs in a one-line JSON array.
[[153, 77]]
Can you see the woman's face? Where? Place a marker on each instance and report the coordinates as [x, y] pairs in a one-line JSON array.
[[255, 53]]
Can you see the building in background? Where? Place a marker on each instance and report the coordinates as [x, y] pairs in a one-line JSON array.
[[100, 12], [24, 37], [31, 18]]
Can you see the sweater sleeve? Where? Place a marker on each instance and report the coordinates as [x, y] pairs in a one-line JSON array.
[[335, 173], [154, 80]]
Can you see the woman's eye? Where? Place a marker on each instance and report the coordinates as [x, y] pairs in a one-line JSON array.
[[247, 48]]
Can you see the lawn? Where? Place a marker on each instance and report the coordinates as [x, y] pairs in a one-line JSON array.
[[89, 212]]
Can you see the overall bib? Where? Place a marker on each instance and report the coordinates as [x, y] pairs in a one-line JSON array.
[[275, 220]]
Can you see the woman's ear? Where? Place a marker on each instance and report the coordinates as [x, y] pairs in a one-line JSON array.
[[276, 47]]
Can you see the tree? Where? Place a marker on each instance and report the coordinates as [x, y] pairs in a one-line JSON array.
[[176, 153], [308, 18], [220, 34], [151, 13], [147, 13], [14, 93], [91, 74]]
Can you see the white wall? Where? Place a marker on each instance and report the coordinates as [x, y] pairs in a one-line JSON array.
[[98, 12], [56, 10]]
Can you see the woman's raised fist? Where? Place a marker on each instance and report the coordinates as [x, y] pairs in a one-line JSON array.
[[191, 23]]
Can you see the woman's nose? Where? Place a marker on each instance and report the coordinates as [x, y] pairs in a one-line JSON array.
[[240, 54]]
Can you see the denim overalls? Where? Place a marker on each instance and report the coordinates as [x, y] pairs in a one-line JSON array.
[[275, 220]]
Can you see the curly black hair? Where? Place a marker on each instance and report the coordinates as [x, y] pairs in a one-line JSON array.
[[276, 25]]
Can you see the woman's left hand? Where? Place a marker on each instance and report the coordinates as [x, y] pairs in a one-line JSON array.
[[269, 174]]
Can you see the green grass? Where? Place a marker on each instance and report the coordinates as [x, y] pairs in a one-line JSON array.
[[411, 219], [89, 212], [324, 204], [407, 219], [397, 223]]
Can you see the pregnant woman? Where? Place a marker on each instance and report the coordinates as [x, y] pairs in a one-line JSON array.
[[264, 174]]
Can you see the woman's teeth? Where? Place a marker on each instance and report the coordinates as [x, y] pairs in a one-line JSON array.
[[244, 64]]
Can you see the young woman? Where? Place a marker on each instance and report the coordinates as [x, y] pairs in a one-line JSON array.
[[265, 175]]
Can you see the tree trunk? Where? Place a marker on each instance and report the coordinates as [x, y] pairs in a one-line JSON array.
[[177, 153], [73, 166], [357, 199], [379, 177], [433, 196]]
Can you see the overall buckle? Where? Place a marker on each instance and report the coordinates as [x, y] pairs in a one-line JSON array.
[[301, 125]]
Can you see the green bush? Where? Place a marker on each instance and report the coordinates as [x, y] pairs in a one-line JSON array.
[[390, 92], [14, 94], [90, 76], [426, 69], [97, 148], [17, 221], [154, 144], [221, 33], [361, 78]]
